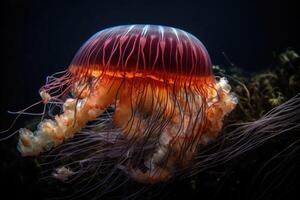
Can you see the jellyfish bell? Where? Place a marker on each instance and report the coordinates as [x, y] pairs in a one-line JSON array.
[[159, 83]]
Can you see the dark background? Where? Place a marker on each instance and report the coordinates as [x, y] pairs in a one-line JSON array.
[[41, 37]]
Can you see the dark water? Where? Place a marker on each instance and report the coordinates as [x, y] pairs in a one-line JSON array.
[[41, 37]]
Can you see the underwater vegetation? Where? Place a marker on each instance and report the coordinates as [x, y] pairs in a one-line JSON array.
[[259, 92]]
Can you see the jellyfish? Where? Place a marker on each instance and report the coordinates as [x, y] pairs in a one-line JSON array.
[[144, 96]]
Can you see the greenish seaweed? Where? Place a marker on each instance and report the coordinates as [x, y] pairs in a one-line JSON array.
[[259, 92]]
